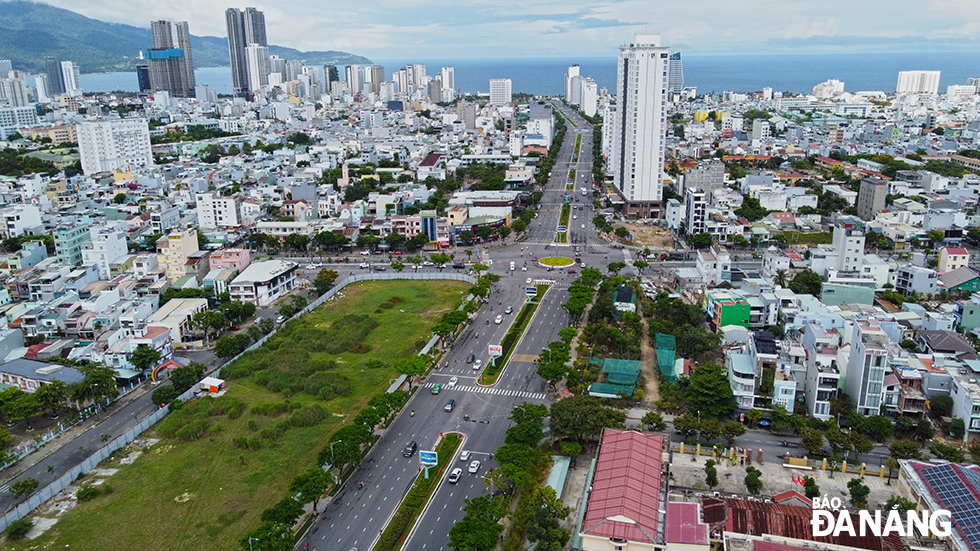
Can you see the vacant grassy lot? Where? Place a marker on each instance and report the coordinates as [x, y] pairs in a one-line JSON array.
[[205, 483]]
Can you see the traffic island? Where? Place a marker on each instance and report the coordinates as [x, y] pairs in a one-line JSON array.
[[556, 261], [513, 336], [402, 523]]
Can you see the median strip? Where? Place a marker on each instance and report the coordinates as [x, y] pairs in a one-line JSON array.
[[513, 336]]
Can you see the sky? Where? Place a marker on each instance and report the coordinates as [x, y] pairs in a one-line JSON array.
[[385, 29]]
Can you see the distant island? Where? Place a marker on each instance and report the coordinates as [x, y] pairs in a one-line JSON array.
[[32, 31]]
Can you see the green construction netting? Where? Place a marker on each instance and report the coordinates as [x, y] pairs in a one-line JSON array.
[[666, 357], [606, 390], [621, 372]]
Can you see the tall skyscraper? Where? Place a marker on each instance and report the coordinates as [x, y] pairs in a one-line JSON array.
[[293, 68], [5, 67], [108, 145], [675, 74], [641, 125], [14, 89], [245, 27], [573, 72], [374, 75], [72, 78], [354, 76], [917, 82], [55, 78], [42, 87], [257, 66], [500, 91], [143, 76], [330, 75], [448, 84], [171, 60]]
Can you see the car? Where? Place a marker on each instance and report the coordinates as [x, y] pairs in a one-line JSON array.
[[379, 267], [454, 476], [437, 388], [523, 268], [528, 281], [509, 310], [470, 358], [365, 253], [574, 217], [410, 449], [453, 381], [280, 319], [397, 253], [464, 455], [474, 466], [450, 405], [498, 319], [363, 265], [477, 364], [336, 260], [427, 263], [571, 271], [583, 226]]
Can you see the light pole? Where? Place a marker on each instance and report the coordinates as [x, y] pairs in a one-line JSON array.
[[336, 479], [250, 542]]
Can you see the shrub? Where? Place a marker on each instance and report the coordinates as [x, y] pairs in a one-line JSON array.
[[19, 528], [87, 493]]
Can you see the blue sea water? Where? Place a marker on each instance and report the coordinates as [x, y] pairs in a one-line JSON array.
[[709, 73]]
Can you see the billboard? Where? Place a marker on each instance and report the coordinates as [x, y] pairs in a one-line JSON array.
[[428, 458], [496, 350]]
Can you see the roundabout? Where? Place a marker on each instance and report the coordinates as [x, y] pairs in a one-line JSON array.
[[556, 261]]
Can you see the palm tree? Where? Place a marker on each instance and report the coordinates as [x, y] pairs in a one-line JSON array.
[[780, 279]]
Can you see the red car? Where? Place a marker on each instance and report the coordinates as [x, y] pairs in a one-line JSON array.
[[397, 253], [341, 260], [534, 259], [234, 328], [571, 271]]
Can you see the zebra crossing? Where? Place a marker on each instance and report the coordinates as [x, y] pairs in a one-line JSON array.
[[477, 389]]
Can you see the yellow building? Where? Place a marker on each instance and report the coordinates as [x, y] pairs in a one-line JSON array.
[[175, 250]]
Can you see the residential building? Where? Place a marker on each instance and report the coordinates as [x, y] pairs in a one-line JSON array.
[[951, 258], [573, 71], [56, 81], [262, 283], [448, 84], [917, 82], [175, 249], [120, 144], [257, 62], [848, 240], [675, 74], [29, 375], [500, 91], [163, 220], [13, 119], [171, 60], [871, 198], [217, 211], [637, 160], [822, 373], [68, 241], [178, 315], [105, 245], [20, 220], [231, 259], [916, 279], [72, 78], [867, 364], [244, 27], [696, 211]]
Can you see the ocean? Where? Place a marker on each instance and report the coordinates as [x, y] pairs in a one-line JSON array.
[[709, 73]]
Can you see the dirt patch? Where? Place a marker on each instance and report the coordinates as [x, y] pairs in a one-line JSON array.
[[103, 472], [128, 460], [41, 525], [184, 497], [648, 366], [651, 236]]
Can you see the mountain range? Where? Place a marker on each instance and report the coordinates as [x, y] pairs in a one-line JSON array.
[[30, 31]]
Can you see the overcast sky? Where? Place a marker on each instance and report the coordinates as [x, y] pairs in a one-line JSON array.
[[386, 29]]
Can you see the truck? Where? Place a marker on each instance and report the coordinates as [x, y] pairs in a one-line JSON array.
[[512, 266]]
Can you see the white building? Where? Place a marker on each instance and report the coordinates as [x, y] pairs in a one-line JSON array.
[[500, 91], [641, 123], [917, 82], [215, 211], [13, 118], [573, 72], [262, 283], [849, 243], [72, 78], [696, 208], [866, 365], [107, 244], [108, 145], [259, 66], [448, 84], [589, 96], [21, 220]]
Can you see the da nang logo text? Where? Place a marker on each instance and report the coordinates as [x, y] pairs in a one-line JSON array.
[[829, 519]]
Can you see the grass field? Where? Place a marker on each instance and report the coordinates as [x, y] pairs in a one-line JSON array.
[[206, 494]]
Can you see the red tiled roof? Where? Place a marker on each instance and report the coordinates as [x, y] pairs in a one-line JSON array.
[[431, 159], [625, 497], [956, 250], [791, 494], [684, 524]]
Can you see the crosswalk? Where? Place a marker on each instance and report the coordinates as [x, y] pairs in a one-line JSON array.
[[493, 391]]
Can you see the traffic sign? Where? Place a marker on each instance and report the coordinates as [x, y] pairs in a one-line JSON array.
[[531, 291], [429, 459], [562, 228], [496, 350]]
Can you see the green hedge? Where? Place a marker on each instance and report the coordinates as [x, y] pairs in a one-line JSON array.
[[510, 340]]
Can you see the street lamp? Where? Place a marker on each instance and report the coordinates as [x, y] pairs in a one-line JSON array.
[[250, 542]]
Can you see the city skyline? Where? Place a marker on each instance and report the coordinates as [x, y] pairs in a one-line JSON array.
[[579, 28]]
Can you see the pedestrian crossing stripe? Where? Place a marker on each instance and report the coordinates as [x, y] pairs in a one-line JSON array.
[[492, 391]]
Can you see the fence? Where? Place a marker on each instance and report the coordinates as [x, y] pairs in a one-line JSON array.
[[59, 485]]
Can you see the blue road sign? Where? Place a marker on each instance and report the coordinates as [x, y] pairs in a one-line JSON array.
[[562, 228], [428, 459], [531, 291]]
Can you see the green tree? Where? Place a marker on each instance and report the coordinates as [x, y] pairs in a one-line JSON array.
[[900, 504], [51, 396], [99, 383], [753, 480], [709, 392], [144, 357], [183, 378], [811, 440], [837, 439], [860, 444], [880, 428], [947, 452], [924, 430], [210, 320], [905, 449], [411, 367], [654, 422], [751, 209], [711, 473], [270, 536], [615, 267], [731, 430], [18, 529], [545, 526], [807, 282], [941, 406], [688, 424], [24, 487], [119, 198], [581, 417], [479, 529], [957, 428], [163, 394], [810, 488], [859, 493], [528, 428], [699, 241], [286, 511], [566, 334], [310, 485]]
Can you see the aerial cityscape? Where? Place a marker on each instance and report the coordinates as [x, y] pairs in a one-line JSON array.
[[264, 291]]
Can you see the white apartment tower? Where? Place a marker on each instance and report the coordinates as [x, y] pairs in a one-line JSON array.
[[500, 91], [108, 145], [641, 125], [917, 82], [849, 243], [696, 207], [675, 80], [215, 211], [259, 66], [448, 84], [867, 364], [573, 72], [590, 96], [72, 78]]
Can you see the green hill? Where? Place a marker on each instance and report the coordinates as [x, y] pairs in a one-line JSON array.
[[30, 31]]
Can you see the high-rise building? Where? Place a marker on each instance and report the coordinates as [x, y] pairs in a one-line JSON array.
[[675, 74], [257, 64], [14, 118], [72, 78], [143, 76], [293, 68], [5, 67], [573, 72], [330, 75], [871, 198], [500, 91], [55, 78], [849, 243], [448, 84], [354, 77], [589, 96], [374, 75], [245, 27], [696, 203], [216, 211], [917, 82], [171, 59], [641, 125], [14, 90], [867, 364], [107, 145], [277, 65], [42, 87]]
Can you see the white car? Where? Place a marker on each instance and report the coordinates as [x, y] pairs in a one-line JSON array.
[[583, 226], [575, 217], [477, 364], [474, 466], [498, 319], [528, 281], [454, 476], [364, 265], [464, 455], [453, 381], [427, 263], [509, 309], [365, 253]]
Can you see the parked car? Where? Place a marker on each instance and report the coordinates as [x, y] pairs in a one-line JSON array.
[[280, 319]]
